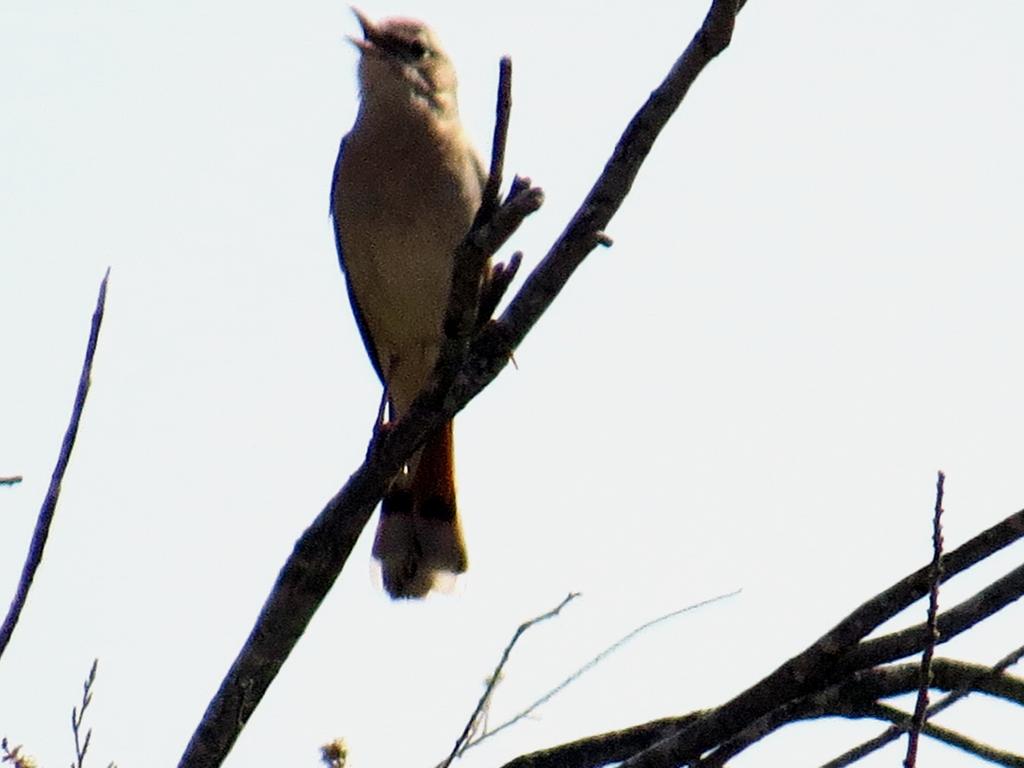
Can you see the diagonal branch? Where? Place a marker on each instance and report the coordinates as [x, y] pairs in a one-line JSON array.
[[597, 660], [586, 229], [836, 653], [955, 621], [858, 697], [495, 678], [984, 679], [323, 549], [947, 736], [827, 679], [42, 529], [605, 748], [586, 747]]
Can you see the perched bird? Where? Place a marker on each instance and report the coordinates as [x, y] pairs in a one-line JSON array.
[[407, 185]]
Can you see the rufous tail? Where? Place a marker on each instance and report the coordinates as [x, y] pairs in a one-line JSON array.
[[419, 538]]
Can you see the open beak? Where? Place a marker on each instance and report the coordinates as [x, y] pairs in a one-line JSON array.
[[365, 44]]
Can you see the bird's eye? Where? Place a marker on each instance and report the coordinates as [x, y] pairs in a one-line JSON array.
[[417, 50]]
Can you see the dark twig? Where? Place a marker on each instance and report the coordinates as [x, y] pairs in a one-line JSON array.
[[496, 285], [472, 293], [606, 741], [921, 705], [837, 653], [858, 695], [618, 745], [495, 677], [948, 736], [978, 681], [12, 480], [597, 660], [972, 682], [78, 716], [42, 529], [825, 681], [588, 225], [19, 759], [950, 623], [499, 142], [605, 748], [475, 291]]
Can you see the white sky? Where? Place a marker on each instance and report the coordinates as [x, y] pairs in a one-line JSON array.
[[812, 304]]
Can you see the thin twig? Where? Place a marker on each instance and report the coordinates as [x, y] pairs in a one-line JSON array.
[[496, 676], [894, 732], [857, 696], [836, 654], [470, 743], [604, 748], [78, 716], [496, 283], [12, 480], [470, 299], [948, 736], [997, 669], [950, 623], [589, 224], [42, 529], [499, 141], [921, 705], [597, 660]]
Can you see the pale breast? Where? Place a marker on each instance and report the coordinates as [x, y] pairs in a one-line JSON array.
[[405, 203]]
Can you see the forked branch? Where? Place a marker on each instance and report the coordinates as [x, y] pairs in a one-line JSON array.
[[466, 365]]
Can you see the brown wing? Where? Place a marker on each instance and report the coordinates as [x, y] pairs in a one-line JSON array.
[[336, 192]]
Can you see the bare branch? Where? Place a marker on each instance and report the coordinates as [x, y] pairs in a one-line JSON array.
[[833, 656], [605, 748], [587, 228], [496, 285], [921, 706], [950, 623], [982, 679], [46, 512], [499, 141], [495, 677], [597, 660], [78, 717], [607, 741], [950, 737], [972, 682], [323, 549], [471, 294], [857, 697]]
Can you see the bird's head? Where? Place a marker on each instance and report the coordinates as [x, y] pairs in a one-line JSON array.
[[403, 61]]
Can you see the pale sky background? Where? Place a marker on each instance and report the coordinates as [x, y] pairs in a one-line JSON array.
[[812, 305]]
